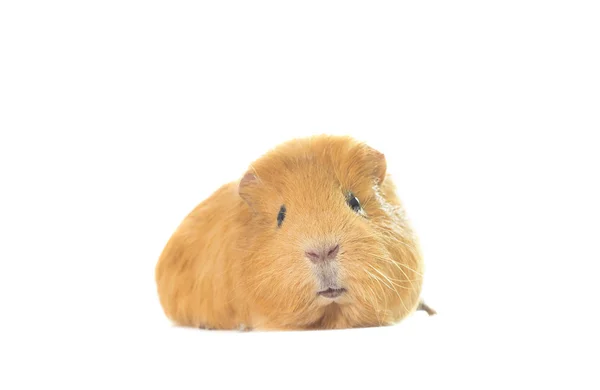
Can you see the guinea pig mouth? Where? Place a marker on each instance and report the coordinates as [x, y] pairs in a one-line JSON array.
[[332, 292]]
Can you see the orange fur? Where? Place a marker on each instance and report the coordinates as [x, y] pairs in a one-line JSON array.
[[228, 265]]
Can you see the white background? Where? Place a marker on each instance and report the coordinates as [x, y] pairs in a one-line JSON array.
[[118, 117]]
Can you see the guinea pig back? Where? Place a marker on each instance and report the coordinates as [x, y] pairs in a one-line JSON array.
[[312, 236]]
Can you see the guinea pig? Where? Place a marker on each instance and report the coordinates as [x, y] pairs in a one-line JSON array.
[[312, 236]]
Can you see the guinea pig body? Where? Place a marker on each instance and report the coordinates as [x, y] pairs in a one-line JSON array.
[[313, 236]]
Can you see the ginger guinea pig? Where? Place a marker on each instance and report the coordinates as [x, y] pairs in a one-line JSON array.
[[313, 236]]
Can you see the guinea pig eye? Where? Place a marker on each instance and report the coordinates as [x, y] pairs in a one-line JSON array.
[[354, 203], [281, 216]]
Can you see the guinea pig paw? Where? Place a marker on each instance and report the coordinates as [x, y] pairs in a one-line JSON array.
[[426, 308], [244, 328]]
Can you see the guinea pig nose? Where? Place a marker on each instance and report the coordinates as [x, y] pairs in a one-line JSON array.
[[318, 255]]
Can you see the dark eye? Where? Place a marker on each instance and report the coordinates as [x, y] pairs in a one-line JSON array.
[[354, 203], [281, 216]]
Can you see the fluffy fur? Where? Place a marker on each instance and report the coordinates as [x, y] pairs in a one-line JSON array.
[[228, 265]]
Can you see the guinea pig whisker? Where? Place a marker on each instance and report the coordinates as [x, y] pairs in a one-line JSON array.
[[377, 278], [379, 282], [396, 263], [363, 295], [374, 305], [403, 280], [390, 287], [389, 279], [378, 312], [410, 269], [406, 276], [374, 295], [403, 273], [380, 273]]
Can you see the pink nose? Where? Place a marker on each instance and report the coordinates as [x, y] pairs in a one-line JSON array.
[[322, 254]]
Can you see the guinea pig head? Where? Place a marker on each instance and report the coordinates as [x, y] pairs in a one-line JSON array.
[[328, 240]]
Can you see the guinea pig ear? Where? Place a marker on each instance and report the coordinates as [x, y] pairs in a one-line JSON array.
[[247, 183], [379, 163]]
